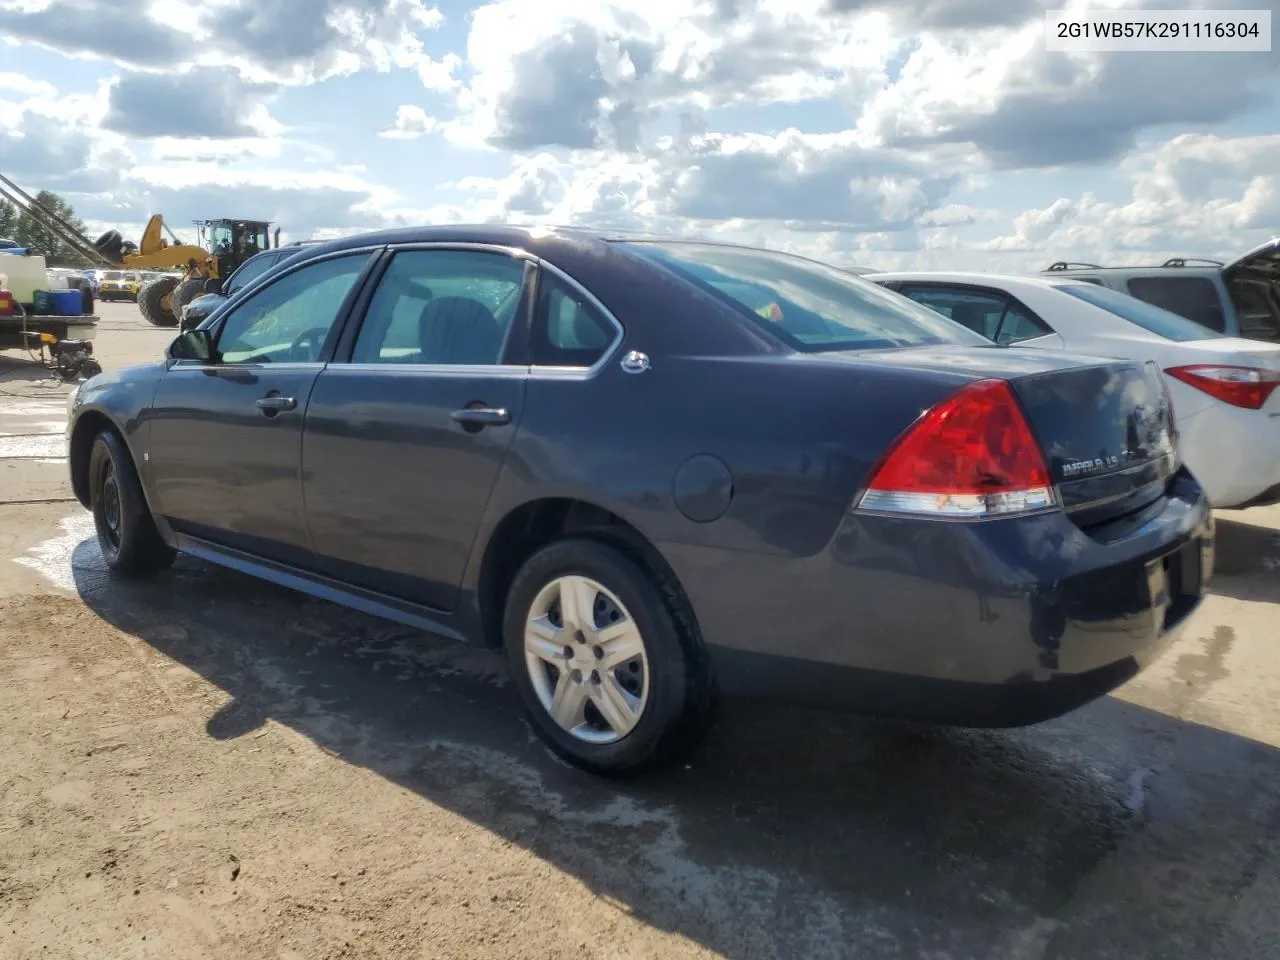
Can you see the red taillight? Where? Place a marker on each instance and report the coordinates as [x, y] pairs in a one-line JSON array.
[[973, 455], [1246, 387]]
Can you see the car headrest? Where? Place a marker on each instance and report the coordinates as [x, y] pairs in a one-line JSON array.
[[458, 330], [971, 315]]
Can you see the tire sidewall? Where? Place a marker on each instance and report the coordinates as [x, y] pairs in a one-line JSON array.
[[109, 449], [668, 668]]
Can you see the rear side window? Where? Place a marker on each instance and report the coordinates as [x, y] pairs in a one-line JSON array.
[[806, 304], [1192, 297], [567, 331], [450, 307], [989, 313], [1162, 323]]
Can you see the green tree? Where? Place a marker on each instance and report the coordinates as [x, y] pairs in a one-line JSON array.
[[8, 220], [35, 235]]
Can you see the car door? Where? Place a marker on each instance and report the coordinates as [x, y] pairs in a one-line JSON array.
[[404, 441], [225, 444], [992, 313]]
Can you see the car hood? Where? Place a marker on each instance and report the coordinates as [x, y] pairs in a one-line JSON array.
[[1262, 261]]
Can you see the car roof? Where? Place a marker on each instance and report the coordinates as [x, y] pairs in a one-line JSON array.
[[546, 237]]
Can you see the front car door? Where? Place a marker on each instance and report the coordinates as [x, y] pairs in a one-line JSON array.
[[404, 442], [225, 445]]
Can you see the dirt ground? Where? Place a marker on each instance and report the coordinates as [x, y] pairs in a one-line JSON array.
[[206, 766]]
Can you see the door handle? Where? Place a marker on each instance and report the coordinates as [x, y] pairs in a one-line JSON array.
[[481, 416], [270, 405]]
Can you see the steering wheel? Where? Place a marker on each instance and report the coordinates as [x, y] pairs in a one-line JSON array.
[[313, 339]]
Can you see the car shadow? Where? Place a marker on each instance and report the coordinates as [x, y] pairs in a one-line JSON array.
[[790, 833], [1247, 561]]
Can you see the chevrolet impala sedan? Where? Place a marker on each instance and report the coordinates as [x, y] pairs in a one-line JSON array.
[[657, 472]]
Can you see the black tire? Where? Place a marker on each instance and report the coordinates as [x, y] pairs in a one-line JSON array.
[[127, 533], [184, 293], [111, 245], [90, 368], [680, 701], [150, 299]]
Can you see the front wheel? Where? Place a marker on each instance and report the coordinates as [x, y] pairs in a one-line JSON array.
[[607, 664], [155, 302], [127, 533]]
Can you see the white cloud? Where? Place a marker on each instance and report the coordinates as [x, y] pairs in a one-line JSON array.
[[1194, 195], [26, 86], [559, 73], [411, 122]]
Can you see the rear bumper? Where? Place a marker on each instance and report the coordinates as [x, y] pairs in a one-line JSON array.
[[998, 623]]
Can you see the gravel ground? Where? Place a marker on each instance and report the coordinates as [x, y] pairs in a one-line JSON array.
[[206, 766]]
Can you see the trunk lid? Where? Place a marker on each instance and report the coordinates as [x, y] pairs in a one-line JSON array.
[[1106, 433]]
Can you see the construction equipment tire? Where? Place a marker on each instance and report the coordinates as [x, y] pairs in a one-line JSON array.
[[186, 291], [151, 302]]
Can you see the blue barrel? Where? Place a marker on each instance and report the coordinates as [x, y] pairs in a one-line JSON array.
[[67, 303]]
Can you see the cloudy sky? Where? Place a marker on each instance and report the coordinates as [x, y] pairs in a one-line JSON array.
[[886, 133]]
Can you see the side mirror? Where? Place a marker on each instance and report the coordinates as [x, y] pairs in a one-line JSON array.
[[213, 285], [192, 345]]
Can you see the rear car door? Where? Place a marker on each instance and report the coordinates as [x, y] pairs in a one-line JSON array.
[[405, 439], [992, 313], [225, 446]]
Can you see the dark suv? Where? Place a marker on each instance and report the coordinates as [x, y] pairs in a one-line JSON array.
[[1239, 299]]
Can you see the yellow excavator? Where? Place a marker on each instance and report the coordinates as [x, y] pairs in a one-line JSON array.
[[221, 247]]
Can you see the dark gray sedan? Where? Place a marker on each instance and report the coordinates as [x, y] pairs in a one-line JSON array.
[[657, 471]]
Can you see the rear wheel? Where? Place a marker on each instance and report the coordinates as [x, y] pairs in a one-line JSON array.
[[127, 533], [152, 300], [610, 672]]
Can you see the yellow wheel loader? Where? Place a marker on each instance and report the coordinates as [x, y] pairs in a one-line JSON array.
[[223, 245]]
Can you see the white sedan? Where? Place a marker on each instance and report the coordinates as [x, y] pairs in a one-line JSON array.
[[1224, 389]]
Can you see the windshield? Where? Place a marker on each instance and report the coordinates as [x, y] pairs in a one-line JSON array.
[[808, 305], [112, 275], [1151, 318]]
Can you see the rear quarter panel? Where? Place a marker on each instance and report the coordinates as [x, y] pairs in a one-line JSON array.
[[797, 436]]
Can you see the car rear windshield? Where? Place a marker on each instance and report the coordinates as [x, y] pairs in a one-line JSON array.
[[808, 305], [1153, 319]]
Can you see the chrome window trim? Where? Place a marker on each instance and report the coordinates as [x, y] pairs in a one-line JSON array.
[[534, 370], [559, 372]]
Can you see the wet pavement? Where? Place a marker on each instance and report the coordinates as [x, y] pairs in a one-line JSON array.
[[1146, 825]]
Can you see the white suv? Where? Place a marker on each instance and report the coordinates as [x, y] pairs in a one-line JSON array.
[[1239, 299]]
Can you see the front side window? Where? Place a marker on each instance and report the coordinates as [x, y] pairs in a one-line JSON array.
[[1162, 323], [809, 306], [1192, 297], [289, 320], [442, 307]]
